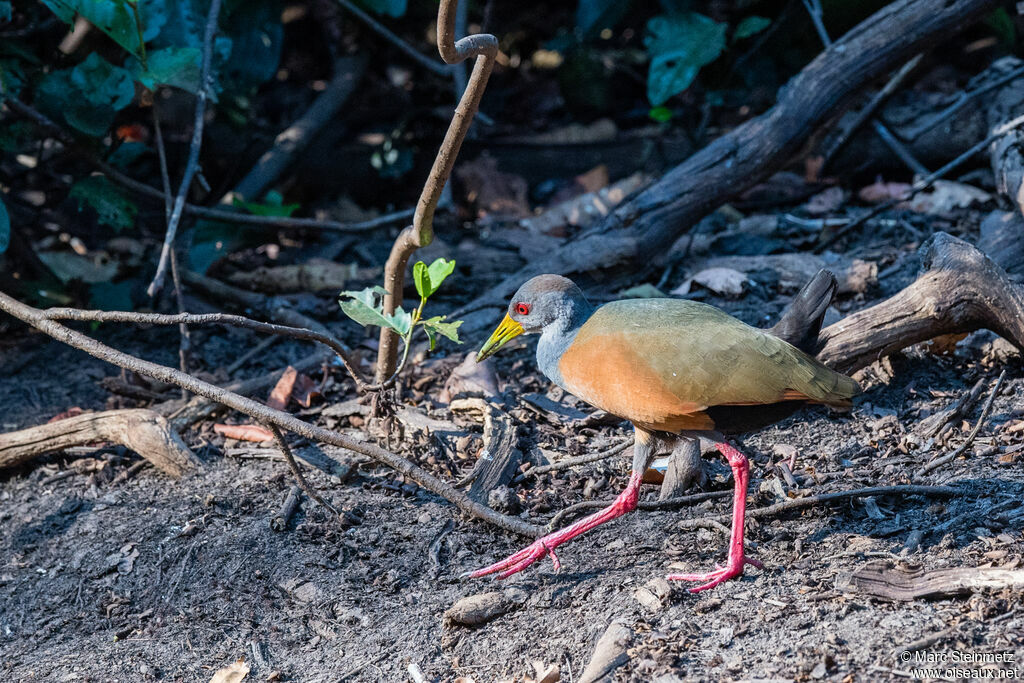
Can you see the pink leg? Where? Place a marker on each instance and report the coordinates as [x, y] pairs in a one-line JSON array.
[[734, 567], [626, 502]]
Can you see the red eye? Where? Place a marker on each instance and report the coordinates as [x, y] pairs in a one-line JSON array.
[[523, 309]]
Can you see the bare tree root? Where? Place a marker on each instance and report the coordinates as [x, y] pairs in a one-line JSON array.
[[959, 290], [651, 220], [484, 47], [264, 414], [142, 431]]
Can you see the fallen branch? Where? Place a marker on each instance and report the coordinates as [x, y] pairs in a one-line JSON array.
[[959, 290], [36, 318], [881, 579], [664, 504], [141, 431], [824, 498], [649, 222], [300, 479], [950, 457]]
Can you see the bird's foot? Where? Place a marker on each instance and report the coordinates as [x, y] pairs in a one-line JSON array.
[[519, 561], [733, 569]]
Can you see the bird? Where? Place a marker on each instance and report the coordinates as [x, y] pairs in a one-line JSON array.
[[674, 368]]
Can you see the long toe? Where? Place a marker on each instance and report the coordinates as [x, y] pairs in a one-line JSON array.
[[517, 562]]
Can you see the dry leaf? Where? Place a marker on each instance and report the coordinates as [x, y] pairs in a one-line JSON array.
[[723, 281], [253, 433], [70, 412], [946, 195], [492, 191], [232, 673], [826, 201], [305, 390], [283, 389], [881, 191]]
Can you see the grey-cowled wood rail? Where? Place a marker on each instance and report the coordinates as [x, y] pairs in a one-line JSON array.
[[672, 367]]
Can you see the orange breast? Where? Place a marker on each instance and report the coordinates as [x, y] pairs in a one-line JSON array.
[[608, 376]]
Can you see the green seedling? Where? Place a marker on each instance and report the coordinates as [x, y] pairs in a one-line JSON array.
[[366, 307]]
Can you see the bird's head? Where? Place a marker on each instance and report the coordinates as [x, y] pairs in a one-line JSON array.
[[541, 302]]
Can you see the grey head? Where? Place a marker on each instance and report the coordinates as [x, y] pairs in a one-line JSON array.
[[549, 300], [548, 304]]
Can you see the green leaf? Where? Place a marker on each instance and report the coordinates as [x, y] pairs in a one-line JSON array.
[[108, 201], [432, 336], [366, 307], [256, 35], [5, 10], [5, 228], [421, 277], [750, 26], [679, 45], [87, 96], [113, 17], [660, 114], [111, 296], [273, 205], [437, 324], [429, 278], [174, 66]]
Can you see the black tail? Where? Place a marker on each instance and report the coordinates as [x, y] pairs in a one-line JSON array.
[[801, 321]]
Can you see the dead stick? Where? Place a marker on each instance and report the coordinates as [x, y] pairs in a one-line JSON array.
[[282, 445], [484, 47], [205, 85], [667, 504], [939, 462], [579, 460], [279, 522], [142, 431], [264, 414], [824, 498]]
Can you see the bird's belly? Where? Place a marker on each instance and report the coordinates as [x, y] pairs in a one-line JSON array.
[[631, 392]]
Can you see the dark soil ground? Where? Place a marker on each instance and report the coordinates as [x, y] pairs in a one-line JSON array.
[[149, 578]]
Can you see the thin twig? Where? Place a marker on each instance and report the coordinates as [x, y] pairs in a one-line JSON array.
[[667, 504], [892, 142], [950, 457], [205, 85], [257, 350], [963, 100], [224, 215], [328, 340], [264, 414], [282, 445], [868, 111], [816, 13], [821, 499], [383, 31], [579, 460], [184, 337], [921, 184]]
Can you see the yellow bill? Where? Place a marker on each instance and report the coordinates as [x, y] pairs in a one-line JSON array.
[[508, 329]]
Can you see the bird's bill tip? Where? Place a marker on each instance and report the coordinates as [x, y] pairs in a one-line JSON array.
[[508, 329]]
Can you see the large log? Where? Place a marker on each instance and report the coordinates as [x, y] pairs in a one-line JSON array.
[[650, 221]]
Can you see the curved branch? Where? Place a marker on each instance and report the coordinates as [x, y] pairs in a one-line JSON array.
[[484, 47]]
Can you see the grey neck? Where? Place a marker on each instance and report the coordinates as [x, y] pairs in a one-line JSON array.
[[556, 337]]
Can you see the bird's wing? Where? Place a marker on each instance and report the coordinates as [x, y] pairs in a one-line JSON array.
[[660, 358]]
